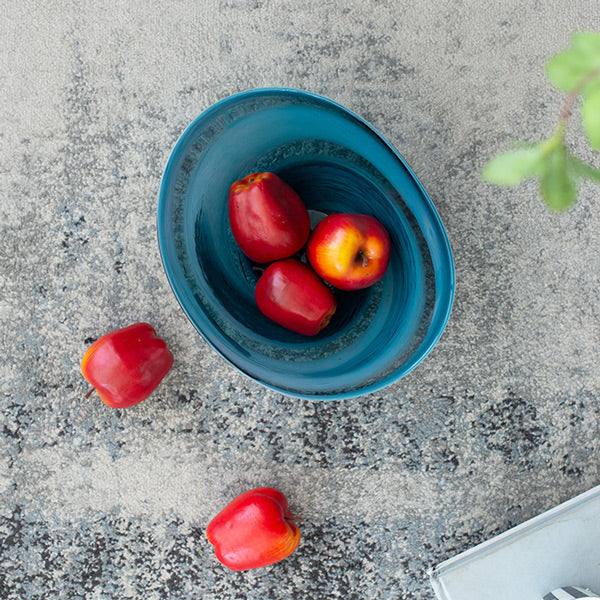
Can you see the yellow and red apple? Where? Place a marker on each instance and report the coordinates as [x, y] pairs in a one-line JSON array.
[[350, 251]]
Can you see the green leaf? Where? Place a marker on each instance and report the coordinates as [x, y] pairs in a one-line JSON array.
[[566, 69], [557, 187], [590, 114], [582, 169], [513, 167], [587, 42]]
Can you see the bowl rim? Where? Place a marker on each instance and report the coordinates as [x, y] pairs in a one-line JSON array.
[[391, 377]]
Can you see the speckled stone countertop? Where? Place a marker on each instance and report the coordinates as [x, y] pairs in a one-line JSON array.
[[499, 424]]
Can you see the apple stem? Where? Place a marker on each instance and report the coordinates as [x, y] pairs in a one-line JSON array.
[[89, 393], [361, 258]]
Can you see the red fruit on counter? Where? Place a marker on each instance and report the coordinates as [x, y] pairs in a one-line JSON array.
[[256, 529], [350, 251], [126, 365], [290, 294], [268, 219]]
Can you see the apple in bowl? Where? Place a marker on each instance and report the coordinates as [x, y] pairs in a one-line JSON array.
[[289, 293], [268, 219], [349, 251]]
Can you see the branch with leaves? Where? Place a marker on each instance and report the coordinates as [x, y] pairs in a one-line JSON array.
[[575, 71]]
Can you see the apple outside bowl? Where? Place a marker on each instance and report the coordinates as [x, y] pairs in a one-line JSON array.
[[337, 162]]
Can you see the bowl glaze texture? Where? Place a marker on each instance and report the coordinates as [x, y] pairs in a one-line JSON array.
[[337, 162]]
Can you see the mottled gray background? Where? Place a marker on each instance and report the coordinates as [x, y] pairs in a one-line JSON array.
[[499, 424]]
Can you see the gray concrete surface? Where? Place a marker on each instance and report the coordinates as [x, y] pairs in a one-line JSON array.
[[499, 424]]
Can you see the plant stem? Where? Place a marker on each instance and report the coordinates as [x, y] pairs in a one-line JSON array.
[[567, 108], [578, 166], [584, 170]]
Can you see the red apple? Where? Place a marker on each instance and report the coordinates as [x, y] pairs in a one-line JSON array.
[[254, 530], [350, 251], [290, 294], [268, 219]]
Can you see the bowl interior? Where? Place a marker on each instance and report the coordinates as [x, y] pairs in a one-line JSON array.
[[337, 163]]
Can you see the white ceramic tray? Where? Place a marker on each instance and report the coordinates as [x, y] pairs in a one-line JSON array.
[[558, 548]]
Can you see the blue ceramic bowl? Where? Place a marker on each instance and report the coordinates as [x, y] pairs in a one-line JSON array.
[[337, 162]]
